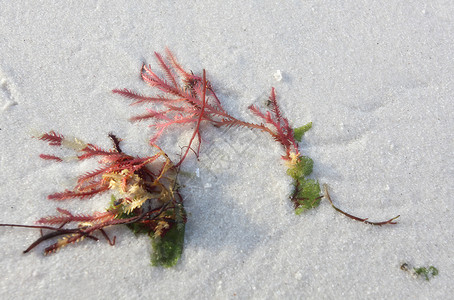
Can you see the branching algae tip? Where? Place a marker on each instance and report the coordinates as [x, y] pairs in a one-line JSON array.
[[145, 193]]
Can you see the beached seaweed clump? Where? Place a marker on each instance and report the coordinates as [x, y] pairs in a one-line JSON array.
[[144, 190], [144, 196]]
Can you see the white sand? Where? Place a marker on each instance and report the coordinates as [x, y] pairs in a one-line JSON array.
[[376, 80]]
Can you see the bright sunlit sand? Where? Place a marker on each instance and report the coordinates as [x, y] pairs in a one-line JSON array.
[[375, 79]]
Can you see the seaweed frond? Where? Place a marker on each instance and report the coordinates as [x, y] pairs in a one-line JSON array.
[[280, 128], [148, 200], [424, 272], [188, 99], [364, 220]]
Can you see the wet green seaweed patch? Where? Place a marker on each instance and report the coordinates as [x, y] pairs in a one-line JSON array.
[[167, 249], [306, 192], [168, 246]]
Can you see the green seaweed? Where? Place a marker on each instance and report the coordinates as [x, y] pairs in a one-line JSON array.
[[306, 192], [300, 131], [167, 249], [302, 168], [427, 273], [308, 195]]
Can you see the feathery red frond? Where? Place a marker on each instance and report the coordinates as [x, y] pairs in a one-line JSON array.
[[188, 99], [67, 194], [53, 138], [166, 69], [66, 217], [50, 157], [280, 128]]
